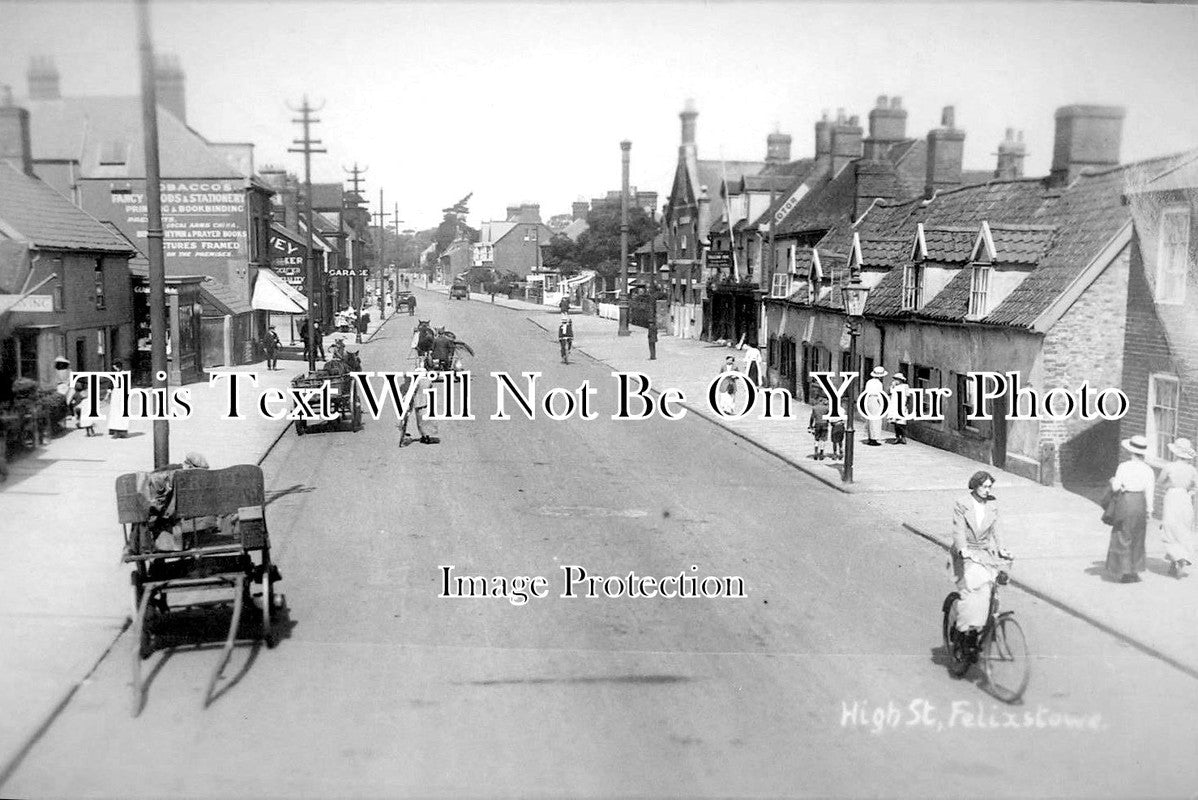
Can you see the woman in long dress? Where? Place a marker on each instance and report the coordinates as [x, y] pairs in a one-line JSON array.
[[1135, 480], [1180, 480], [874, 405]]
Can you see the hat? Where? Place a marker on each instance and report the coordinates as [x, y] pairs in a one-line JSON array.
[[1182, 448], [898, 376], [878, 372], [1136, 444], [61, 363], [339, 339]]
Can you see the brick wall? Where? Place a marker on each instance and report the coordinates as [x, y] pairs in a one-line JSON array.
[[1087, 344]]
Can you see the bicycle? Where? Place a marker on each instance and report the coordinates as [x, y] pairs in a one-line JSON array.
[[1000, 646]]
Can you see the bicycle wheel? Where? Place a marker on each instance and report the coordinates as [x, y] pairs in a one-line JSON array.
[[1006, 661], [958, 664]]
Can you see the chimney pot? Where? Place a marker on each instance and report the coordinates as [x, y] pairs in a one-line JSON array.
[[42, 76], [948, 117], [881, 101], [896, 102]]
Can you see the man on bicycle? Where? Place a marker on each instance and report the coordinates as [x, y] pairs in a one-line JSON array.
[[977, 555], [565, 337]]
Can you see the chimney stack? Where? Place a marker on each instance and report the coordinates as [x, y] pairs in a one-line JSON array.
[[1086, 136], [170, 86], [688, 115], [823, 136], [777, 148], [14, 134], [946, 151], [286, 197], [846, 140], [887, 125], [43, 79], [513, 214], [581, 207], [1010, 156]]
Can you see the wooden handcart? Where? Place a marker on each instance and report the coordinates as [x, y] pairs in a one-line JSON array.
[[217, 521], [343, 395]]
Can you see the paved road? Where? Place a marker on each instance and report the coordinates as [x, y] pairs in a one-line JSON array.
[[382, 689]]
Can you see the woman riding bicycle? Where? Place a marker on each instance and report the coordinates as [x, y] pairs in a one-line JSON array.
[[977, 555]]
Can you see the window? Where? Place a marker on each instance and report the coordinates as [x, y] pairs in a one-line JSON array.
[[27, 357], [966, 403], [912, 287], [1164, 392], [925, 377], [98, 272], [979, 285], [781, 285], [1174, 256]]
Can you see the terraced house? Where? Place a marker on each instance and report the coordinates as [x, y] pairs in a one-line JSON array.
[[1026, 275]]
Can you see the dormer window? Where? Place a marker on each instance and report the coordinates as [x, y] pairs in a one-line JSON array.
[[979, 289], [781, 285], [912, 287], [1173, 259]]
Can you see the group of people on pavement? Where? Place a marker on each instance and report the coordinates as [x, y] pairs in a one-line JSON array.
[[1128, 503]]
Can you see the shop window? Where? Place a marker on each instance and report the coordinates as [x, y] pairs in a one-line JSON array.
[[98, 274], [1173, 256], [1164, 395]]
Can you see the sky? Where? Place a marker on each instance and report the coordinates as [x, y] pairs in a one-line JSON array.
[[528, 102]]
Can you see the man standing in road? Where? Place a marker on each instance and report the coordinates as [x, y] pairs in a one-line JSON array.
[[416, 408], [652, 340], [565, 337]]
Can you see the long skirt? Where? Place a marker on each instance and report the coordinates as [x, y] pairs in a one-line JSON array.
[[1125, 556], [873, 407], [1177, 525]]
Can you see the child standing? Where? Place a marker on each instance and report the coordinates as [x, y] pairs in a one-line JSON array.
[[818, 426]]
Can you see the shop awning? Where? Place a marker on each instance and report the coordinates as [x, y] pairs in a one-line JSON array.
[[272, 293]]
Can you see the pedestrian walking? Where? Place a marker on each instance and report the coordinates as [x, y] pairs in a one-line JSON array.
[[726, 399], [319, 339], [564, 305], [565, 337], [874, 404], [652, 338], [416, 408], [118, 423], [272, 345], [818, 426], [898, 417], [837, 436], [751, 358], [1134, 483], [303, 334], [1180, 479]]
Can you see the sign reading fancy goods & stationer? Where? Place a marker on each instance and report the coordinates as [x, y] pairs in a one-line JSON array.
[[202, 220]]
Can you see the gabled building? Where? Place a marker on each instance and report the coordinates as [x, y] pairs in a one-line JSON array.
[[513, 245], [216, 211], [1014, 275], [1160, 356], [65, 286], [694, 206]]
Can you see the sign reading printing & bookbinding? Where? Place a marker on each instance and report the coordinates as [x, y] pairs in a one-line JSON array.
[[203, 220]]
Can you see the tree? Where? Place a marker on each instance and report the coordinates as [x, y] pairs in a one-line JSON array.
[[599, 244], [562, 255]]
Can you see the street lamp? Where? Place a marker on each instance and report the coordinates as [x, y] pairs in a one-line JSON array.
[[854, 295]]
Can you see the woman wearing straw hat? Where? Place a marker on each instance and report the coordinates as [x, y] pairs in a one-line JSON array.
[[1180, 479], [874, 405], [1135, 482]]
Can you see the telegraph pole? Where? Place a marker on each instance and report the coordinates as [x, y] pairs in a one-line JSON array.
[[357, 285], [395, 220], [154, 236], [625, 146], [382, 215], [307, 120]]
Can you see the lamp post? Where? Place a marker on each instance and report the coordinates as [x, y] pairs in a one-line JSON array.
[[625, 146], [854, 296]]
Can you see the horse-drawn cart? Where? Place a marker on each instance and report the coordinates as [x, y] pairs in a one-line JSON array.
[[191, 533], [342, 392]]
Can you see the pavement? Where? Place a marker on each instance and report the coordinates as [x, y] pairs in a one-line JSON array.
[[66, 596], [1056, 535], [65, 610]]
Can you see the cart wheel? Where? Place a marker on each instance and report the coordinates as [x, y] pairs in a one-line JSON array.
[[268, 601], [301, 427]]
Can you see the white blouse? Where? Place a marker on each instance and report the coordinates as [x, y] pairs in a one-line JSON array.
[[1134, 475]]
